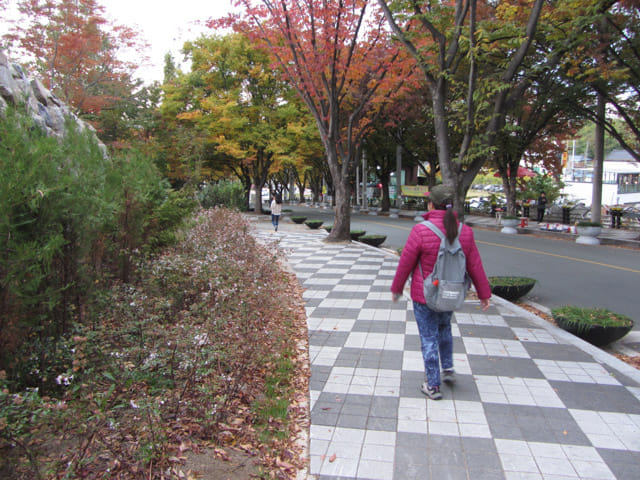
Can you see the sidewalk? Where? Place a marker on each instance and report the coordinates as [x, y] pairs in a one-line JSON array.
[[530, 401]]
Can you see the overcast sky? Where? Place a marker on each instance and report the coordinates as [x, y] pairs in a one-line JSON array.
[[165, 25]]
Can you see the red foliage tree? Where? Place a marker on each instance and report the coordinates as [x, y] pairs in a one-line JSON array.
[[339, 57], [76, 51]]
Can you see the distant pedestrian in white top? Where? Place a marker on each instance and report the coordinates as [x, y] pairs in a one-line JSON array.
[[276, 210]]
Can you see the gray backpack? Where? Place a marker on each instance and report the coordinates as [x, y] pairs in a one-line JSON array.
[[446, 286]]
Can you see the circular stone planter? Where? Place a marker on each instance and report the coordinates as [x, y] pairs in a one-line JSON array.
[[373, 240], [588, 235], [298, 220], [511, 288], [509, 225], [313, 224], [328, 228], [356, 234], [598, 335]]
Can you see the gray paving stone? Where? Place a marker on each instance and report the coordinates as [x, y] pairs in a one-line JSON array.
[[485, 331], [352, 421], [464, 388], [384, 406], [489, 462], [504, 366], [516, 322], [552, 351], [383, 424], [332, 339], [623, 464], [375, 326], [346, 313], [479, 445], [342, 295], [479, 474], [324, 418], [607, 398], [412, 343], [448, 472]]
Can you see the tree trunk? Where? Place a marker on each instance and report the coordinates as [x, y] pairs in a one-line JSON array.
[[341, 230], [257, 201], [598, 160]]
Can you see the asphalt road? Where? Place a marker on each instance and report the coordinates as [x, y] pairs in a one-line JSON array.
[[567, 273]]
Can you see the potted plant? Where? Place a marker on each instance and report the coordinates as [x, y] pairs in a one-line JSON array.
[[355, 234], [588, 233], [373, 240], [509, 223], [298, 219], [327, 228], [511, 287], [597, 326], [313, 224]]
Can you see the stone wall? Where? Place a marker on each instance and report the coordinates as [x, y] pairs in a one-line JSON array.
[[45, 108]]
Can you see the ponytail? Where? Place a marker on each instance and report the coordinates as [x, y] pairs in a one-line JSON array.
[[450, 224]]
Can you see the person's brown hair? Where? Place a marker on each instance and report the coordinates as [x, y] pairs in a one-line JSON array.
[[441, 196], [450, 222]]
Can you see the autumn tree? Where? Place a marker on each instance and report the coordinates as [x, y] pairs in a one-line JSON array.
[[338, 57], [236, 106], [76, 51], [453, 43]]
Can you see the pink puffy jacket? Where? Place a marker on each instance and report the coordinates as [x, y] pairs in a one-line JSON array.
[[422, 245]]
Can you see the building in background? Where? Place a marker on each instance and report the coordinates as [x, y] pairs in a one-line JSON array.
[[620, 180]]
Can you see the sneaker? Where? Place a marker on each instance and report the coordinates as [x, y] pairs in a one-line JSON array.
[[432, 392], [449, 375]]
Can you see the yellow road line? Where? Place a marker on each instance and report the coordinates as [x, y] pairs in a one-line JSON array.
[[560, 256], [615, 267]]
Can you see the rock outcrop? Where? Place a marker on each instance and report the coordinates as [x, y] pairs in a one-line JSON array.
[[47, 111]]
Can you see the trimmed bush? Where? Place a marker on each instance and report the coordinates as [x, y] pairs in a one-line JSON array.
[[298, 220], [589, 224], [597, 326], [313, 224], [373, 240], [511, 287]]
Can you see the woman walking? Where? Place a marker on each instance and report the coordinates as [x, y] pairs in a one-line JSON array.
[[276, 210], [421, 249]]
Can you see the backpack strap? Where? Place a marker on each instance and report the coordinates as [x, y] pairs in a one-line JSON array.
[[431, 226]]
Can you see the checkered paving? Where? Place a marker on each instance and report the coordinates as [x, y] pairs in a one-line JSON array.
[[527, 403]]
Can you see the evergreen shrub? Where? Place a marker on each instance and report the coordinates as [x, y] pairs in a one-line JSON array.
[[70, 219], [223, 193]]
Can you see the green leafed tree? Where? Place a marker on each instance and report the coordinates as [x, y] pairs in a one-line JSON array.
[[472, 55], [237, 108]]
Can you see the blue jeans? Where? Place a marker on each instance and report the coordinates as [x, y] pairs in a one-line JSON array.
[[275, 219], [436, 341]]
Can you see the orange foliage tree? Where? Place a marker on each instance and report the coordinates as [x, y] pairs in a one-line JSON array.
[[76, 51], [341, 60]]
